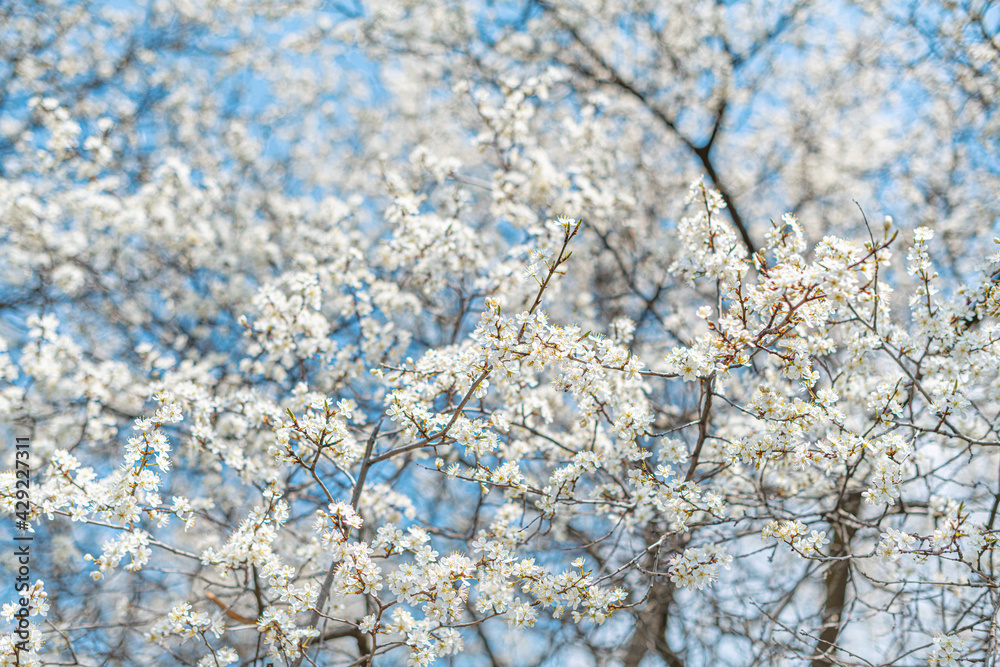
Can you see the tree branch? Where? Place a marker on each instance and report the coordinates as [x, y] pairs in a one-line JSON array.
[[324, 592]]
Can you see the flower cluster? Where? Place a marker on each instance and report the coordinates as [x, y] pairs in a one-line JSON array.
[[949, 651], [894, 542], [698, 566]]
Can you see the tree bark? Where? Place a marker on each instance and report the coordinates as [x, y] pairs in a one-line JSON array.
[[837, 578], [651, 627]]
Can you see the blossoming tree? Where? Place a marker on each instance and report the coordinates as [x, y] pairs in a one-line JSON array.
[[385, 333]]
